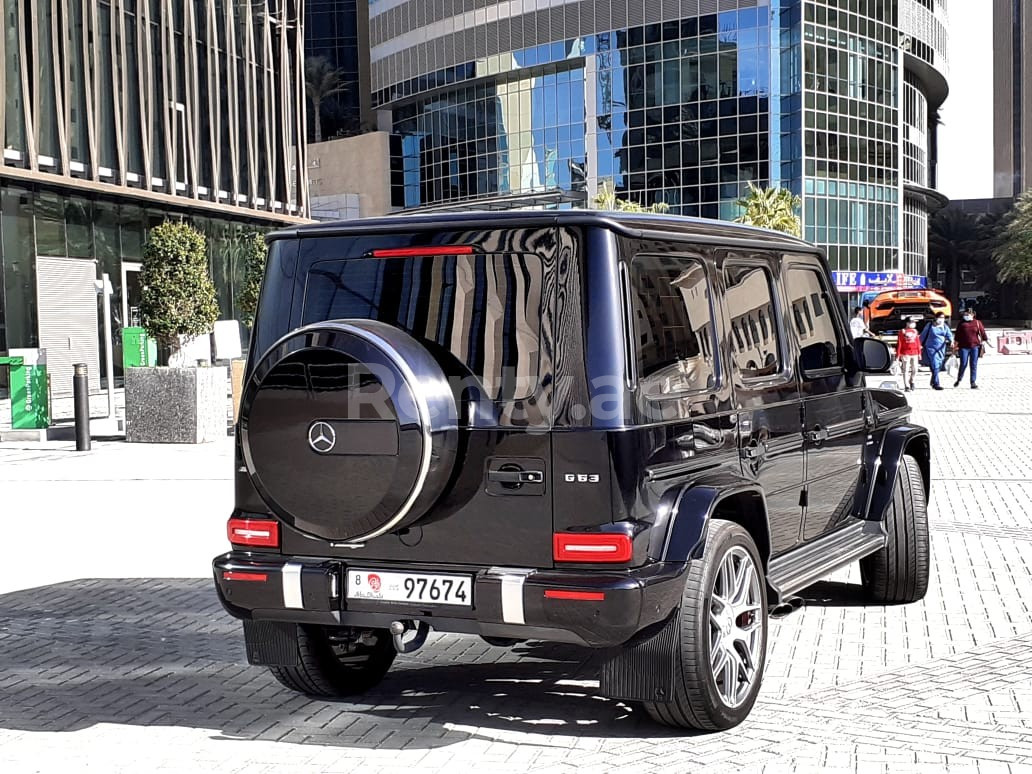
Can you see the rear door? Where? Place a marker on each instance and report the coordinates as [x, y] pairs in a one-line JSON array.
[[766, 393], [485, 316], [834, 419]]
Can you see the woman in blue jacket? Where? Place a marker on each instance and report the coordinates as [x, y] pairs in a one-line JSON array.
[[936, 340]]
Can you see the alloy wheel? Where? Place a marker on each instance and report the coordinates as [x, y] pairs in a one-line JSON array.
[[736, 626]]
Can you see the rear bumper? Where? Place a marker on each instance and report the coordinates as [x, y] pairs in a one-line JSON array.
[[507, 602], [896, 320]]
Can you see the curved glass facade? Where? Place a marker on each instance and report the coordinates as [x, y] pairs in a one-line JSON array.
[[915, 133], [851, 142], [668, 107]]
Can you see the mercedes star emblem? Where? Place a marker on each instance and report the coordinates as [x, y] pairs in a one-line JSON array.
[[321, 437]]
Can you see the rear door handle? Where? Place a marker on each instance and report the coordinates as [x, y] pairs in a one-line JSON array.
[[754, 451], [819, 434], [515, 476]]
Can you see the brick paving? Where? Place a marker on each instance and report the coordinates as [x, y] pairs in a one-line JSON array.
[[143, 674]]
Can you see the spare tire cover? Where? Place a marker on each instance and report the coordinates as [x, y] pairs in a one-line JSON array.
[[348, 429]]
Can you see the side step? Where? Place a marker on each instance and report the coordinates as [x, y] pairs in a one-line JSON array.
[[804, 566]]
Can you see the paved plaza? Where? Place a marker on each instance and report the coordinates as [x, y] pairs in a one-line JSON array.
[[115, 655]]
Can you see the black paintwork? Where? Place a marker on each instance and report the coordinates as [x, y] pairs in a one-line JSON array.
[[793, 456]]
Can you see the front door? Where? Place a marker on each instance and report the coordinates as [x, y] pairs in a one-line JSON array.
[[834, 419], [767, 397]]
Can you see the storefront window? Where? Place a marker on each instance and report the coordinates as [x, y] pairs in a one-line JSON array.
[[130, 229], [79, 227], [50, 224], [105, 233], [19, 262]]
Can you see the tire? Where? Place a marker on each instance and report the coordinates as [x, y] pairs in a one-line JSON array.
[[330, 667], [898, 573], [698, 699]]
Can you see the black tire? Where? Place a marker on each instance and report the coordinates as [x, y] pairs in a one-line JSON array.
[[333, 667], [898, 573], [696, 701]]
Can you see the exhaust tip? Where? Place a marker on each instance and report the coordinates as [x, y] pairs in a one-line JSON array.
[[786, 607]]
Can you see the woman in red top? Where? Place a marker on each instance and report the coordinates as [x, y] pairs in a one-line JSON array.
[[969, 338], [908, 351]]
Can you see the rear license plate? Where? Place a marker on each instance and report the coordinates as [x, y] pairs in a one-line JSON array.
[[414, 587]]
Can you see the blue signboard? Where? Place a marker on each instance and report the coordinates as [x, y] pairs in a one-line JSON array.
[[861, 281]]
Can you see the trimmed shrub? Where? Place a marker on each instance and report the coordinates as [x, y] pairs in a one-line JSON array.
[[178, 296]]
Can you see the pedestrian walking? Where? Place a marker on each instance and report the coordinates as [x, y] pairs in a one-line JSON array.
[[937, 340], [908, 353], [970, 339], [858, 326]]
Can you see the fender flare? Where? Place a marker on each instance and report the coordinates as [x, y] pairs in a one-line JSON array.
[[691, 508], [897, 441]]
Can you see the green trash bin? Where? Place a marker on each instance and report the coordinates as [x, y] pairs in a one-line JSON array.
[[138, 349], [30, 396]]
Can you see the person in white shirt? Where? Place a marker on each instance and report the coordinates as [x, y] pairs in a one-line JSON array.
[[857, 326]]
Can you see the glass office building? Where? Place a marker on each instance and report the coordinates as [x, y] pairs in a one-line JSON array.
[[338, 32], [676, 101], [117, 116]]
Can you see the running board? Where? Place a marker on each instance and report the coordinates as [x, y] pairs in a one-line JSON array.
[[807, 564]]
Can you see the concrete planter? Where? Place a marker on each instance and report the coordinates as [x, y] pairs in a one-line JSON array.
[[175, 405]]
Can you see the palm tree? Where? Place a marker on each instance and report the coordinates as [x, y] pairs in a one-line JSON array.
[[773, 208], [1014, 254], [322, 81], [954, 239], [606, 200]]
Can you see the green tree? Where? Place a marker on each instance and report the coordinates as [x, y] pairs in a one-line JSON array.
[[1013, 257], [322, 81], [954, 239], [773, 208], [255, 253], [178, 297], [606, 200]]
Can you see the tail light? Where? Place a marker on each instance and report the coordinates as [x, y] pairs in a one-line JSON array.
[[592, 548], [261, 533]]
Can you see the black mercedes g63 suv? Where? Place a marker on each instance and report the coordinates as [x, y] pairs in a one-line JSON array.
[[635, 433]]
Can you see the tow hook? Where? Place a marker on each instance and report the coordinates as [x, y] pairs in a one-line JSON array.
[[786, 607], [398, 629]]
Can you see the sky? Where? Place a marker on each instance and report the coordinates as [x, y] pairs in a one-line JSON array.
[[966, 136]]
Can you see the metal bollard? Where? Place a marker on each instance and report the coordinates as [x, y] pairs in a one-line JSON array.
[[81, 393]]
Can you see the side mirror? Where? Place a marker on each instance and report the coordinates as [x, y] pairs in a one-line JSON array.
[[872, 356]]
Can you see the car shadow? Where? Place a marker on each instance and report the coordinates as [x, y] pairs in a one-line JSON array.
[[836, 594], [154, 652]]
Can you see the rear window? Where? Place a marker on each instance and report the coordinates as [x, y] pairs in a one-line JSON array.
[[484, 311]]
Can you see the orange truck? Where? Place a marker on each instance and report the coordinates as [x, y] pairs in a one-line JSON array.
[[890, 310]]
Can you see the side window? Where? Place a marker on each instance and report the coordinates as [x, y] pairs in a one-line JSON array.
[[673, 325], [819, 342], [750, 307]]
